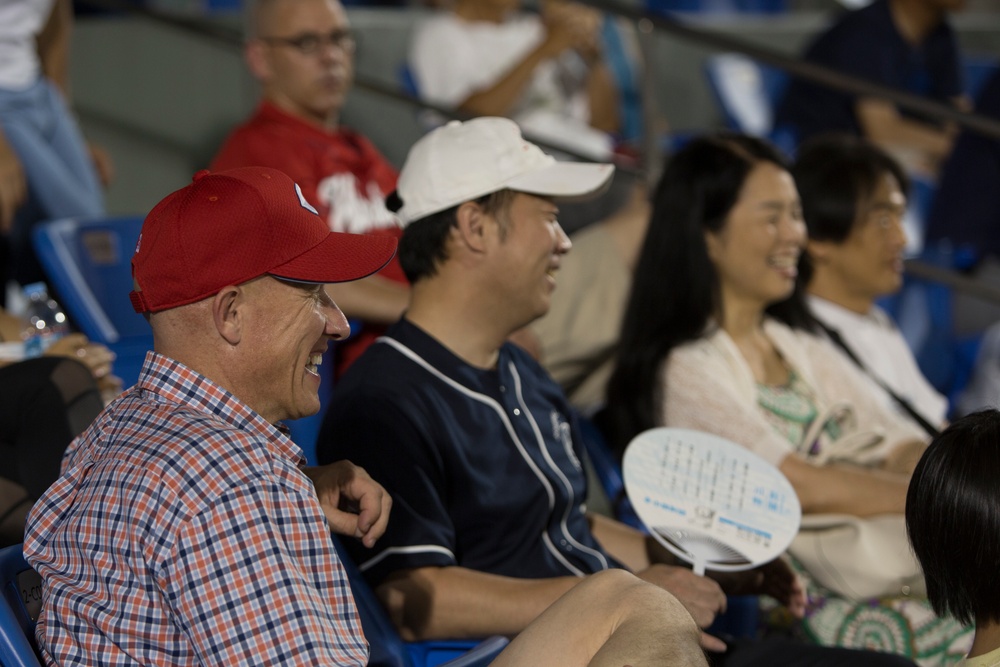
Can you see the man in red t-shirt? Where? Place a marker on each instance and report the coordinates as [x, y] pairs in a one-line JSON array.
[[302, 52]]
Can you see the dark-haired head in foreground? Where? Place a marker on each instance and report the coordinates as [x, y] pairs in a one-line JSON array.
[[953, 521]]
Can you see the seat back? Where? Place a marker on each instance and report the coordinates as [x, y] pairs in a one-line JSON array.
[[88, 264], [977, 70], [748, 93], [389, 650], [608, 471], [19, 608], [924, 312]]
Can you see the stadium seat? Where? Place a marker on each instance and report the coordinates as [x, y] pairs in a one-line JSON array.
[[22, 600], [88, 264], [89, 267], [977, 70], [389, 650], [748, 93], [608, 471], [924, 312]]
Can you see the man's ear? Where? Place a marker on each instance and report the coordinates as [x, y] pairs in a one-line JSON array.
[[257, 63], [472, 226], [227, 313]]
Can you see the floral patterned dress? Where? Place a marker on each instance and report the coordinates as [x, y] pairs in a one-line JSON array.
[[906, 626]]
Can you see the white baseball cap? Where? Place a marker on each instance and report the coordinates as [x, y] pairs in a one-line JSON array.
[[460, 161]]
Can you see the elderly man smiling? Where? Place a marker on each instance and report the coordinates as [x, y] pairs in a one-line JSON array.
[[184, 531]]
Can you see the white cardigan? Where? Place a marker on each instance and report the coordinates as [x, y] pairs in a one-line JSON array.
[[710, 387]]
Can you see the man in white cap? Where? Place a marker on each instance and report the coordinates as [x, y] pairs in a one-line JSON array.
[[184, 530], [476, 443]]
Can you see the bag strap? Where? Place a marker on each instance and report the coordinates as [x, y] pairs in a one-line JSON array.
[[837, 339]]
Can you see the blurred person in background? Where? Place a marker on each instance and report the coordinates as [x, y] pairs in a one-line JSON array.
[[908, 45], [302, 53], [717, 338], [578, 336], [47, 170], [568, 75], [854, 197], [966, 208], [546, 71]]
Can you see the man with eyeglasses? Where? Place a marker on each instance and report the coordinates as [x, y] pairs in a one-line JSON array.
[[302, 52], [854, 198]]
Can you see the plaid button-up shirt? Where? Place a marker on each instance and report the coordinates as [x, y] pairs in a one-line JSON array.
[[182, 532]]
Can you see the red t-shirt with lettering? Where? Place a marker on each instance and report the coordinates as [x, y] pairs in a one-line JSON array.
[[340, 172]]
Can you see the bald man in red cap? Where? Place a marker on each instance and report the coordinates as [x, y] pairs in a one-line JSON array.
[[184, 529]]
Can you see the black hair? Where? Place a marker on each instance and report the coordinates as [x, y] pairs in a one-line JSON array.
[[424, 243], [422, 246], [835, 174], [953, 518], [675, 292]]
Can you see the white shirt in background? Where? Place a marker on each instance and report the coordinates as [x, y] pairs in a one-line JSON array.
[[880, 346], [452, 58]]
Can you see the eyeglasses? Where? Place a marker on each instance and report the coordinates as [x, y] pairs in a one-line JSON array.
[[310, 43]]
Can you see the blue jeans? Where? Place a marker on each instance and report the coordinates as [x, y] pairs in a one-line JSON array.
[[62, 180]]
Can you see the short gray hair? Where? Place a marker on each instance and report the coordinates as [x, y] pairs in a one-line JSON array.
[[251, 17]]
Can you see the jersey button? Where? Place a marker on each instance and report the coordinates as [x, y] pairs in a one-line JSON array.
[[517, 412]]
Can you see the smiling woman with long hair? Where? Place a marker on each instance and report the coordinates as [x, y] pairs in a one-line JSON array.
[[717, 338]]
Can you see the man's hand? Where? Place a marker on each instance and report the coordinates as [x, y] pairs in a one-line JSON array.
[[354, 503], [702, 597], [775, 579], [13, 188]]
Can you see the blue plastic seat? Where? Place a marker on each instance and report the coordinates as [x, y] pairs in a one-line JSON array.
[[977, 71], [22, 600], [705, 6], [748, 93], [923, 310], [608, 471], [89, 267], [389, 650]]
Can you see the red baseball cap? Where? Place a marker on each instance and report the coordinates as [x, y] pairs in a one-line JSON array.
[[229, 227]]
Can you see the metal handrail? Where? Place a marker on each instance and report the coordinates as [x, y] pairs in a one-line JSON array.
[[683, 30], [667, 24]]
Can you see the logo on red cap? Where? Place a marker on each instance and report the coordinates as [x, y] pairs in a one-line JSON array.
[[302, 200]]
